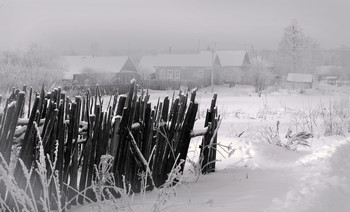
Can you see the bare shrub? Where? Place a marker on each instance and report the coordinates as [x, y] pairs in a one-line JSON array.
[[168, 189], [272, 136], [105, 189], [335, 117], [298, 139], [266, 112], [306, 120]]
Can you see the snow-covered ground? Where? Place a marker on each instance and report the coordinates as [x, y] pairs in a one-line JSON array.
[[253, 175]]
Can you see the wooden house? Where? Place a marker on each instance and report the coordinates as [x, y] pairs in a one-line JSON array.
[[233, 65], [174, 70], [90, 70], [299, 81], [146, 67], [323, 73]]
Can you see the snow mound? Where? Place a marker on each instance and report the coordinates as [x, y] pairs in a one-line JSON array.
[[325, 185]]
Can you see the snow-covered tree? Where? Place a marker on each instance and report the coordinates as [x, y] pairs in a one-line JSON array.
[[259, 74], [34, 67], [297, 52], [261, 77]]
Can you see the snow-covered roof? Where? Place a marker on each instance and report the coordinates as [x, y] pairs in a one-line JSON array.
[[296, 77], [96, 64], [258, 60], [233, 58], [203, 59], [147, 62]]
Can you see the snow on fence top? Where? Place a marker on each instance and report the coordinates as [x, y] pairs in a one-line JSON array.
[[80, 151]]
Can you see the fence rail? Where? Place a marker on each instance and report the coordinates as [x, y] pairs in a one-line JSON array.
[[77, 133]]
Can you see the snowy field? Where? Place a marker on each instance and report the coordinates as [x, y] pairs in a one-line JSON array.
[[253, 175]]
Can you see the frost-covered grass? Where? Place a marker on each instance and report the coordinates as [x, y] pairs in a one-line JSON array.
[[42, 191], [39, 187], [256, 176], [252, 174]]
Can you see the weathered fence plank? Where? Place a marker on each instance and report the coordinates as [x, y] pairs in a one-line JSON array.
[[141, 139]]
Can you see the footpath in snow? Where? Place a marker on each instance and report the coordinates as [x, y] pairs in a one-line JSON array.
[[325, 183], [274, 179]]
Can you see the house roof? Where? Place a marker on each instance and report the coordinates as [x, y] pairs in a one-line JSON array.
[[203, 59], [233, 58], [147, 62], [260, 61], [96, 64], [296, 77]]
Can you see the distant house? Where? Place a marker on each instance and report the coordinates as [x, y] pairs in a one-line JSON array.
[[233, 65], [181, 69], [88, 70], [296, 80], [326, 72], [146, 67]]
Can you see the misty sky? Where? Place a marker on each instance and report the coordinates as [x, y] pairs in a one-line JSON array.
[[158, 24]]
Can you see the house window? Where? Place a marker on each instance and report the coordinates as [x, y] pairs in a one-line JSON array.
[[170, 75], [200, 74], [162, 74], [177, 74]]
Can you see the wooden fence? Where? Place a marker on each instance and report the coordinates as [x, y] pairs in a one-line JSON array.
[[76, 133]]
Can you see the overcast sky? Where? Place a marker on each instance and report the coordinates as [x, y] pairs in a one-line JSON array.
[[158, 24]]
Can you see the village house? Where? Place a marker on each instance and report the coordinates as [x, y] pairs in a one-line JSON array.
[[174, 70], [181, 69], [146, 67], [91, 70], [233, 65], [329, 74], [299, 81]]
